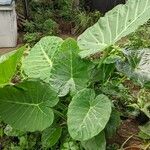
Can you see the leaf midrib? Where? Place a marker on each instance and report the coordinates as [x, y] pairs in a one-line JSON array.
[[28, 104], [116, 39], [46, 56], [71, 68], [86, 116]]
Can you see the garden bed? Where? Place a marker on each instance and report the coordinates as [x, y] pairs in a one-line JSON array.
[[75, 87]]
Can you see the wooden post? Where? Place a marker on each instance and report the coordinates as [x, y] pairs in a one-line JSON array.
[[26, 8]]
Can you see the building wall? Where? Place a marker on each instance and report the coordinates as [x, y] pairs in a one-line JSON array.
[[8, 28]]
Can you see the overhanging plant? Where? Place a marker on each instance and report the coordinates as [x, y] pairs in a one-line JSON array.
[[57, 91], [118, 23]]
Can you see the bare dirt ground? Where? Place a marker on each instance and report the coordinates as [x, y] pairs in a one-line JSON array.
[[128, 134], [6, 50]]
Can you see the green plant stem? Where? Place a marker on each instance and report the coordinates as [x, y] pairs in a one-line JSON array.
[[102, 59], [62, 106], [105, 55], [121, 80], [60, 114]]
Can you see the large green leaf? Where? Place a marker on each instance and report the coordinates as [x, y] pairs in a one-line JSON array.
[[87, 114], [112, 124], [27, 106], [39, 62], [8, 65], [70, 72], [96, 143], [144, 101], [136, 66], [117, 23], [142, 71], [50, 136], [58, 63], [70, 144]]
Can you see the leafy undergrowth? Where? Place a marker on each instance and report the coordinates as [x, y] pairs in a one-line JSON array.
[[54, 18]]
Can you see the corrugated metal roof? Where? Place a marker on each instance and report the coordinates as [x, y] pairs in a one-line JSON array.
[[5, 2]]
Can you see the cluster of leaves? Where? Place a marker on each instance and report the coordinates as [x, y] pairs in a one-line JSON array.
[[65, 89], [140, 39], [17, 140], [66, 9], [35, 30], [84, 19], [40, 24], [47, 17]]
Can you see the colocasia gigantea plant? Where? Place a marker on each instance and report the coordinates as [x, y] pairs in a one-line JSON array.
[[57, 94]]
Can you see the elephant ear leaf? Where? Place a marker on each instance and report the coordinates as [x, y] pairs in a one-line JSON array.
[[70, 73], [57, 62], [50, 136], [96, 143], [28, 105], [119, 22], [39, 62], [88, 114], [142, 71], [8, 65], [136, 66]]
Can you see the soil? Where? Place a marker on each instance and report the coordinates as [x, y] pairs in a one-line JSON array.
[[128, 130], [65, 27], [133, 88], [6, 50]]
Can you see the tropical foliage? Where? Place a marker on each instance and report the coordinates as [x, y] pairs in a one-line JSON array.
[[66, 97]]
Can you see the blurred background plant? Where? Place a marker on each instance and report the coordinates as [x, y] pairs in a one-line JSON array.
[[84, 19], [52, 17], [138, 39]]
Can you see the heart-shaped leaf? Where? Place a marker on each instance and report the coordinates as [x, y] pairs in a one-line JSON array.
[[96, 143], [27, 106], [39, 62], [58, 63], [136, 66], [70, 73], [119, 22], [112, 124], [88, 115], [50, 136]]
